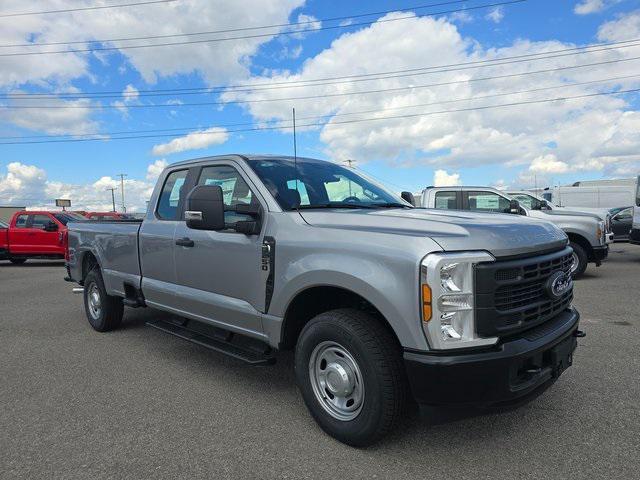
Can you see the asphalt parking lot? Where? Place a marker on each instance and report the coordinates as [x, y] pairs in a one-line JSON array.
[[137, 403]]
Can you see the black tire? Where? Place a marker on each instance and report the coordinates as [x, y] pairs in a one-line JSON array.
[[583, 260], [379, 359], [17, 261], [111, 309]]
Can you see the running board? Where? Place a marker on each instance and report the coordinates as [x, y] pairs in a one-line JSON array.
[[218, 340]]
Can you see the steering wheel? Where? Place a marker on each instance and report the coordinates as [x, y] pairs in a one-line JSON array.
[[352, 199]]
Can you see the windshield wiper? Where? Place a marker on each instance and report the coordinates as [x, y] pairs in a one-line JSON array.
[[335, 205]]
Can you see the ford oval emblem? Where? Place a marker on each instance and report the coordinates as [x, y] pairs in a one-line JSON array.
[[558, 284]]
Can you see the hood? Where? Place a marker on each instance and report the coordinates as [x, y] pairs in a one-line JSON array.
[[499, 234], [562, 212], [599, 212]]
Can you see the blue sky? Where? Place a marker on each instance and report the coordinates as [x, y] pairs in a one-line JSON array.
[[494, 149]]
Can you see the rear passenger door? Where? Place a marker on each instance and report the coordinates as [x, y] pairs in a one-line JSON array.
[[219, 276], [157, 241], [20, 237]]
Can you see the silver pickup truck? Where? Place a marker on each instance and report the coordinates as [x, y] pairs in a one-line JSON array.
[[587, 232], [382, 302]]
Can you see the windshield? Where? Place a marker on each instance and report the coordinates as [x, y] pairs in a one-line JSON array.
[[319, 184], [65, 218]]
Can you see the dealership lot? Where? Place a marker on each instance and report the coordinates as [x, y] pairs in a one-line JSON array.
[[137, 403]]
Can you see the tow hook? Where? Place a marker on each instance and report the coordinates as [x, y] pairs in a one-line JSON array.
[[579, 334]]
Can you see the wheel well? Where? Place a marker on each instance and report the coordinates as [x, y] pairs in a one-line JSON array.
[[88, 262], [316, 300], [580, 240]]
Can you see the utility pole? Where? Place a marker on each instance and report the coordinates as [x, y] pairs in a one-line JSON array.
[[122, 175], [113, 197], [350, 163]]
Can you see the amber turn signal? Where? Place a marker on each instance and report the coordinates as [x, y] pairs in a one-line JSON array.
[[426, 302]]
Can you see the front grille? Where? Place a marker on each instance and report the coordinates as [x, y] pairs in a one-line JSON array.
[[511, 295]]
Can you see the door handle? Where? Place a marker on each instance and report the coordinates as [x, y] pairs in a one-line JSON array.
[[185, 242]]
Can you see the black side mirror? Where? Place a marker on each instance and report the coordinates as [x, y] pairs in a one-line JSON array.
[[514, 207], [205, 208], [50, 227], [408, 197]]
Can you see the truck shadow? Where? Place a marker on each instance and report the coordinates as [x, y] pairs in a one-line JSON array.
[[33, 263]]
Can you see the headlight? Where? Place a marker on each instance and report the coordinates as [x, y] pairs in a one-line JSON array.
[[600, 232], [447, 289]]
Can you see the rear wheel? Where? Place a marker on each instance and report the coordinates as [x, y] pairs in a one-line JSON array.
[[17, 261], [579, 260], [103, 311], [350, 372]]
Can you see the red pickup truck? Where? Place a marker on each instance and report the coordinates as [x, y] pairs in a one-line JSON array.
[[35, 234]]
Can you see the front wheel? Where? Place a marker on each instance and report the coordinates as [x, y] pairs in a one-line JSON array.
[[103, 311], [579, 260], [350, 373]]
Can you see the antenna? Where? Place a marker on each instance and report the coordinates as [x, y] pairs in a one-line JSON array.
[[295, 154]]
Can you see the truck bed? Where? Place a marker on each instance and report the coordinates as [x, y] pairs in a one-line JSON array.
[[114, 243]]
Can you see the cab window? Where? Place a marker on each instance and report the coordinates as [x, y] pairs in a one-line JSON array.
[[39, 221], [172, 193], [21, 221], [235, 190], [488, 202], [446, 200]]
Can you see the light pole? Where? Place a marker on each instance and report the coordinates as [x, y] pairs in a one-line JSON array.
[[113, 197], [122, 175]]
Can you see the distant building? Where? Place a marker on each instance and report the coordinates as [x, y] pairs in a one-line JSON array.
[[6, 212]]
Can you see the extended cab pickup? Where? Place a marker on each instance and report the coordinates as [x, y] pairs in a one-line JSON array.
[[380, 300], [34, 234], [586, 231]]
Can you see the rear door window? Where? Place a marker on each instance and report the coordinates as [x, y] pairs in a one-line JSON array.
[[447, 201], [171, 195], [21, 221]]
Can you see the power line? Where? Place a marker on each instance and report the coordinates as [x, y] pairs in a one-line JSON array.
[[233, 30], [343, 79], [327, 95], [342, 122], [261, 35], [187, 130], [78, 9]]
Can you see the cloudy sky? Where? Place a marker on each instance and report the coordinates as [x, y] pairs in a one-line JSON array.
[[416, 93]]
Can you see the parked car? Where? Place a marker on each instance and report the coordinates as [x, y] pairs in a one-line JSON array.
[[621, 223], [380, 300], [586, 231], [35, 234], [535, 202], [108, 216]]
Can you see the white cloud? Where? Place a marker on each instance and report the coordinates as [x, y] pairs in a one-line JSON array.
[[28, 185], [500, 184], [623, 28], [166, 19], [496, 14], [586, 7], [308, 23], [443, 179], [580, 133], [548, 164], [155, 169], [193, 141]]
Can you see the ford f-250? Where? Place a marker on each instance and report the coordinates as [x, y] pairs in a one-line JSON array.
[[34, 234], [381, 301], [587, 232]]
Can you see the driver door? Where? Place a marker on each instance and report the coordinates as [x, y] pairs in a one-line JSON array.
[[219, 273]]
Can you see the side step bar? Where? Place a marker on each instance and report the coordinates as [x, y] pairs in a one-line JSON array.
[[218, 340]]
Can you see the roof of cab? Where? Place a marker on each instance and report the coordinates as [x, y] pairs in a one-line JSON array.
[[248, 157]]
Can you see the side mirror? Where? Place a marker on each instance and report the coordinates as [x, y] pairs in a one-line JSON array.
[[50, 227], [514, 207], [408, 197], [205, 208]]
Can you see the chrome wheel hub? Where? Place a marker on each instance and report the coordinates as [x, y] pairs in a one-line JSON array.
[[574, 262], [94, 301], [336, 381]]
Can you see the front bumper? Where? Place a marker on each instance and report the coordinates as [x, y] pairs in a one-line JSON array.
[[599, 254], [634, 236], [515, 370], [609, 238]]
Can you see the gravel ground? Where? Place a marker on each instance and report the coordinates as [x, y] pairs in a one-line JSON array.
[[137, 403]]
